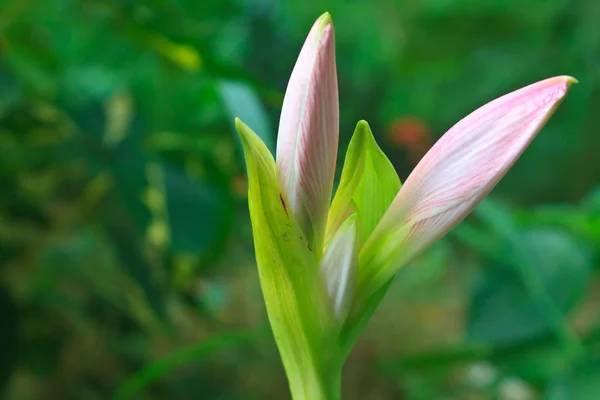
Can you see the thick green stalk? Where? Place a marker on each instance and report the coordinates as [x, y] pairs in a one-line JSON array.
[[317, 385]]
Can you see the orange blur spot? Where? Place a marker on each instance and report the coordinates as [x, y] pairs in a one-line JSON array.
[[411, 134]]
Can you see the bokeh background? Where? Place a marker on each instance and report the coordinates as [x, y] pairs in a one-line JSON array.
[[126, 256]]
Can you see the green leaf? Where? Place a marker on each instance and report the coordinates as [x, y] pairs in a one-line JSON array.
[[367, 186], [534, 361], [544, 270], [126, 217], [295, 296], [497, 217], [583, 383], [199, 215], [156, 370], [241, 101], [352, 172]]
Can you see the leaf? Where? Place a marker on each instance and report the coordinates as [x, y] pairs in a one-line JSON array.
[[125, 216], [583, 383], [367, 186], [497, 217], [511, 301], [241, 101], [156, 370], [377, 188], [199, 215], [295, 296], [533, 361]]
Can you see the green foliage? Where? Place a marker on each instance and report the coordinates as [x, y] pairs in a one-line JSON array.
[[153, 372], [240, 100], [125, 241], [8, 338], [547, 272], [580, 384]]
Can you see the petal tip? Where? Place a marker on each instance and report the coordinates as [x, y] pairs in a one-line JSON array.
[[323, 26], [565, 80], [569, 79], [325, 19]]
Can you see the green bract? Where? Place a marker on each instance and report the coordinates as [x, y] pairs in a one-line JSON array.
[[367, 186]]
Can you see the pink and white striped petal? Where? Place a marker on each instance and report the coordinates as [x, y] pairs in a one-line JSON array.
[[308, 133], [339, 267], [459, 170]]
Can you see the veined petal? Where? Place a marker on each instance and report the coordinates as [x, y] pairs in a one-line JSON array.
[[308, 133], [459, 170], [339, 267]]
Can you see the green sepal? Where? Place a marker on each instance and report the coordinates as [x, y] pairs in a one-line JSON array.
[[367, 186], [295, 297]]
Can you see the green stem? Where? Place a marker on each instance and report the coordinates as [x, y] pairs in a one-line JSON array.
[[317, 385]]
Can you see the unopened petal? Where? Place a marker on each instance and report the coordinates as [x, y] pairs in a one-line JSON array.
[[339, 267], [308, 133], [458, 171]]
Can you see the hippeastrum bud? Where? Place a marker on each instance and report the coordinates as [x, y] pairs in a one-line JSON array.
[[323, 270], [454, 176], [308, 133]]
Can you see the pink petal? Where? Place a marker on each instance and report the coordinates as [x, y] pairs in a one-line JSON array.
[[339, 267], [462, 168], [308, 132]]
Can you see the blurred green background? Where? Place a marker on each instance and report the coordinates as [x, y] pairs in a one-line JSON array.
[[126, 256]]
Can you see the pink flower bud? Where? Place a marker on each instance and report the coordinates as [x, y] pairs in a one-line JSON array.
[[308, 133]]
